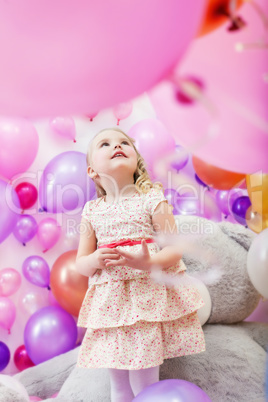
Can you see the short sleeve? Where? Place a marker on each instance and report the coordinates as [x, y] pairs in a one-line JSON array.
[[153, 198], [87, 211]]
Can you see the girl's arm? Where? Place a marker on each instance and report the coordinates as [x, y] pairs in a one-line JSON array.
[[89, 258], [164, 223]]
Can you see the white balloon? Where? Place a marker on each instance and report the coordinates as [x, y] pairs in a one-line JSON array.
[[11, 382], [205, 311], [257, 263]]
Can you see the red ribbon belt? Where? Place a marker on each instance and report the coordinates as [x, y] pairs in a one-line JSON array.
[[125, 243]]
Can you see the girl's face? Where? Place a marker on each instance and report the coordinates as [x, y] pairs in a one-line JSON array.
[[112, 152]]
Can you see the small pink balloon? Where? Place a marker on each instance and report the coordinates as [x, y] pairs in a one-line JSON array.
[[10, 281], [21, 358], [64, 126], [122, 111], [27, 194], [7, 313], [19, 144], [48, 233], [91, 115], [35, 399]]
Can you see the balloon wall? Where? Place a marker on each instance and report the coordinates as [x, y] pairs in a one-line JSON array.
[[202, 130]]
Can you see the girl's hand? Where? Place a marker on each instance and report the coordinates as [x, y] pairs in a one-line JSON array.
[[101, 255], [140, 261]]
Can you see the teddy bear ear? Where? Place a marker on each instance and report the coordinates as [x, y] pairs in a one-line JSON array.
[[238, 233]]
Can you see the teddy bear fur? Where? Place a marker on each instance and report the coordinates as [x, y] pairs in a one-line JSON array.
[[233, 366]]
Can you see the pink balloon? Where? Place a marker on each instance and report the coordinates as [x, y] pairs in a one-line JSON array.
[[122, 111], [48, 233], [64, 126], [10, 281], [152, 140], [21, 358], [19, 144], [27, 194], [7, 313], [60, 59], [235, 86], [91, 115], [35, 398]]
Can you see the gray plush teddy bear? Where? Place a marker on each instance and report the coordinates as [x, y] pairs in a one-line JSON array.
[[233, 366]]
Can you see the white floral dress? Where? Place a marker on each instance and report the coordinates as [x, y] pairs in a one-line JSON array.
[[133, 322]]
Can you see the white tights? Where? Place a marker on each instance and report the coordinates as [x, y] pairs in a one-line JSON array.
[[126, 384]]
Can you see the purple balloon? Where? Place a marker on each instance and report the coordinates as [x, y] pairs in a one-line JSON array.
[[36, 270], [65, 185], [25, 229], [181, 160], [239, 209], [49, 332], [9, 205], [172, 391], [4, 356]]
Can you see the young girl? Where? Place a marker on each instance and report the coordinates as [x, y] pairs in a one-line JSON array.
[[132, 323]]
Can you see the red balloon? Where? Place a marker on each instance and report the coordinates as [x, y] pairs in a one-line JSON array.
[[27, 194], [21, 359]]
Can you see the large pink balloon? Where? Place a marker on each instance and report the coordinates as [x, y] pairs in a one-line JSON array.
[[18, 145], [58, 57], [235, 85]]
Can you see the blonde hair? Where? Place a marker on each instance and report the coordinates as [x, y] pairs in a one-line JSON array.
[[141, 177]]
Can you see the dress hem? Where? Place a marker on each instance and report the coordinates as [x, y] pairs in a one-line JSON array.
[[122, 367]]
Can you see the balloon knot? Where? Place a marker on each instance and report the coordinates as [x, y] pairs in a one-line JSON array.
[[9, 332], [48, 288], [44, 251], [91, 118], [236, 24], [24, 244], [74, 140], [118, 122]]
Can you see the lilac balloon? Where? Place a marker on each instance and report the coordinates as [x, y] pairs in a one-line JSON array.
[[36, 270], [172, 391], [49, 332], [188, 204], [4, 356], [9, 204], [226, 198], [239, 209], [152, 140], [25, 229], [181, 160], [172, 197], [65, 185]]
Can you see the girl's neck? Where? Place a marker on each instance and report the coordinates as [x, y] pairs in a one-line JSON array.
[[116, 191]]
